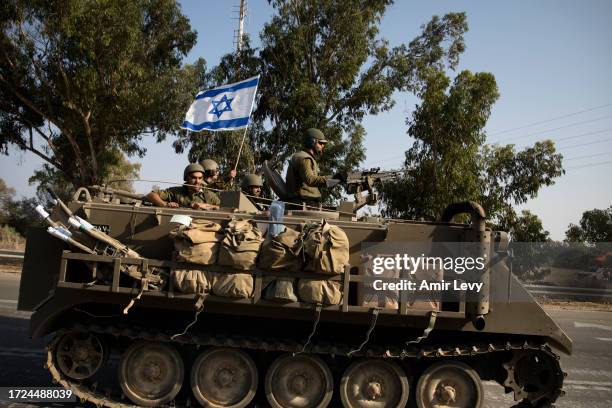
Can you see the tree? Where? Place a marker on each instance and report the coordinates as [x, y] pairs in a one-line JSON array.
[[6, 196], [82, 81], [595, 226], [310, 79], [532, 249], [16, 214], [450, 162]]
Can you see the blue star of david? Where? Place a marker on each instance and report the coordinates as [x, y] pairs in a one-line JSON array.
[[227, 108]]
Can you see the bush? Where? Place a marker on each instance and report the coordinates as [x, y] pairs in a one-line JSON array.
[[11, 239]]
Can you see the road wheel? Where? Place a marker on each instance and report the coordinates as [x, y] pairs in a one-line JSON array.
[[224, 377], [452, 384], [374, 383], [80, 355], [302, 381], [151, 374]]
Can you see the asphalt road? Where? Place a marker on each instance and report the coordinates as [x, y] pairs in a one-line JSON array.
[[588, 384]]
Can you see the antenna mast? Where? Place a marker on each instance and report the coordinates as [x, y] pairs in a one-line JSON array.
[[241, 10]]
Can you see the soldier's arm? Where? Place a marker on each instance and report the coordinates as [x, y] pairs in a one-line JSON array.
[[156, 198], [204, 206], [308, 176]]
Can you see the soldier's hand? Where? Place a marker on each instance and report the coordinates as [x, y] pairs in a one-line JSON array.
[[233, 173], [171, 204], [204, 206]]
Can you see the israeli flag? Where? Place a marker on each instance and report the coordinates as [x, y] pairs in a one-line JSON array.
[[226, 107]]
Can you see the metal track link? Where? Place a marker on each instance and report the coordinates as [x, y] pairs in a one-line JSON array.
[[85, 393]]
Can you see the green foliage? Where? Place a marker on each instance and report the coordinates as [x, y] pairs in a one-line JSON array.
[[530, 244], [450, 162], [81, 81], [526, 227], [15, 215], [595, 226], [322, 65], [6, 195]]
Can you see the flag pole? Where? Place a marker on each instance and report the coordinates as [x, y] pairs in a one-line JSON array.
[[241, 144]]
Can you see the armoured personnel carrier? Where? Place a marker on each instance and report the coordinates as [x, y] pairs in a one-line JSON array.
[[107, 295]]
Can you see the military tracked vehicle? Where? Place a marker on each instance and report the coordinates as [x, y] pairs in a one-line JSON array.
[[109, 306]]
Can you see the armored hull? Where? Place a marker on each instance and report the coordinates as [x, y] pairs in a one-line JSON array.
[[180, 349]]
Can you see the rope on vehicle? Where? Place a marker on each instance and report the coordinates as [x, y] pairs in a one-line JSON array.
[[318, 308], [368, 333], [199, 309]]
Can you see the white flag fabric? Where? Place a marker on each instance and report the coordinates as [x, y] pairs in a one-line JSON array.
[[225, 107]]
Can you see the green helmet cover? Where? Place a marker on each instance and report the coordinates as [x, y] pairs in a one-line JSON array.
[[313, 135], [251, 180], [192, 168], [209, 165]]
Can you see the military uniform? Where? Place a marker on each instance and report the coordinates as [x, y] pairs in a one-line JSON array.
[[184, 198], [303, 180]]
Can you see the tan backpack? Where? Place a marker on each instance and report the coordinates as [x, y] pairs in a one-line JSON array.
[[326, 248], [280, 253], [198, 243], [240, 245]]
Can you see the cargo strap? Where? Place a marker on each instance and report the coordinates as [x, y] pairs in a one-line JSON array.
[[318, 308], [144, 285], [199, 308], [432, 322], [368, 333]]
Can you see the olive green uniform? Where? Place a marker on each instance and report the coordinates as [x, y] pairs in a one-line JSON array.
[[185, 198], [303, 180]]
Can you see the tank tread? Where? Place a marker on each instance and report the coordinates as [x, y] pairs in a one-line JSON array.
[[90, 394]]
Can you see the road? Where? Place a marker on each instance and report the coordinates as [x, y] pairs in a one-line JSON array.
[[588, 384]]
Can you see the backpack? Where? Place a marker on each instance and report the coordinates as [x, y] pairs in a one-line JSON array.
[[326, 248], [240, 245], [198, 243]]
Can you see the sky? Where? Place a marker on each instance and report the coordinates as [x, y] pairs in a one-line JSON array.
[[552, 60]]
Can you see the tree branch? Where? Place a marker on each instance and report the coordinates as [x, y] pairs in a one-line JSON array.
[[51, 119]]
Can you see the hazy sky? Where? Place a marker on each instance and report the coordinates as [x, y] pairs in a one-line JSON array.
[[551, 59]]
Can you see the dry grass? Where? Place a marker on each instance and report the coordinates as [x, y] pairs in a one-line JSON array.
[[10, 239], [574, 305]]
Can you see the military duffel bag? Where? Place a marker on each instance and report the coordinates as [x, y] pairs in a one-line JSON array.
[[280, 254], [192, 281], [326, 248], [234, 285], [198, 243], [320, 291], [240, 245]]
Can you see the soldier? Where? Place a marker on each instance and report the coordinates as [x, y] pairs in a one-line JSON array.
[[188, 195], [211, 176], [303, 180], [251, 185]]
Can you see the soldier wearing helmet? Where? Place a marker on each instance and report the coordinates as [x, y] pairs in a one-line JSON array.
[[303, 179], [189, 194], [211, 176], [252, 185]]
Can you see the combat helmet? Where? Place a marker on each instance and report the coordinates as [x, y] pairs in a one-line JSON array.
[[192, 168], [210, 167], [313, 135], [251, 180]]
